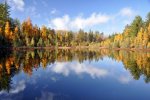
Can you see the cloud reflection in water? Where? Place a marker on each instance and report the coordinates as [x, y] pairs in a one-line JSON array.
[[77, 68], [20, 86]]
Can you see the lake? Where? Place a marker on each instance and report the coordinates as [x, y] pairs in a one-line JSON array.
[[74, 75]]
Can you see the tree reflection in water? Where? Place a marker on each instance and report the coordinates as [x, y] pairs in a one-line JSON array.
[[12, 62]]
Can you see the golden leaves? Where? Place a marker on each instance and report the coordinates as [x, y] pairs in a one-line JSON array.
[[0, 30], [16, 30], [7, 29], [43, 32]]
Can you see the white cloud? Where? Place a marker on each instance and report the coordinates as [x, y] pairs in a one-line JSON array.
[[77, 68], [79, 22], [94, 19], [17, 4], [19, 87], [127, 12], [60, 23]]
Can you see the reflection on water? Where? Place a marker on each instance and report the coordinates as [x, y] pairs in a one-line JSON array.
[[59, 74], [78, 69]]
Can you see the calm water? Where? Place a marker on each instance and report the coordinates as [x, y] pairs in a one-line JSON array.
[[74, 75]]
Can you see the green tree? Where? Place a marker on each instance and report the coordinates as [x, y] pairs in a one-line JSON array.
[[4, 13], [32, 42], [147, 22], [135, 26], [40, 43]]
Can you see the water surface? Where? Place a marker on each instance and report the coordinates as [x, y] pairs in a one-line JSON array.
[[74, 75]]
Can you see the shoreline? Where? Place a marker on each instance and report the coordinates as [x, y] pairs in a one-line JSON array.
[[74, 47]]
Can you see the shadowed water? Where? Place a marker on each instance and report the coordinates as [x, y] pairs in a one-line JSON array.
[[74, 75]]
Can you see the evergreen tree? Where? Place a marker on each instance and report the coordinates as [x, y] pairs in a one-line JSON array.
[[135, 26]]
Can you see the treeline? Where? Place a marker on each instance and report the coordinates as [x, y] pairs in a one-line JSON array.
[[25, 34], [135, 35]]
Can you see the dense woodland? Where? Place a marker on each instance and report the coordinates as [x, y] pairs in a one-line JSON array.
[[135, 35], [16, 34], [25, 34]]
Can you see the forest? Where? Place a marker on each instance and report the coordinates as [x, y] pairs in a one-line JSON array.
[[25, 34], [135, 35], [13, 33]]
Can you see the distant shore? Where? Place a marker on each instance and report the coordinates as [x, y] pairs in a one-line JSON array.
[[74, 47]]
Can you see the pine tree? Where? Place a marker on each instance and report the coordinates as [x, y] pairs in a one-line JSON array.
[[4, 14], [135, 26], [32, 42]]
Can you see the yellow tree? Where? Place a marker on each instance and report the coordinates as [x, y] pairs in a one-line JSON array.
[[118, 37], [27, 30], [149, 28], [36, 31], [66, 39], [27, 27], [1, 34], [11, 36], [148, 31], [148, 45], [139, 38], [8, 65], [0, 30], [8, 33], [145, 38], [16, 30], [59, 37], [43, 32], [44, 62], [126, 31], [7, 29]]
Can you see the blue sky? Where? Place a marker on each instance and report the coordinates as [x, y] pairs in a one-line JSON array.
[[106, 16]]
